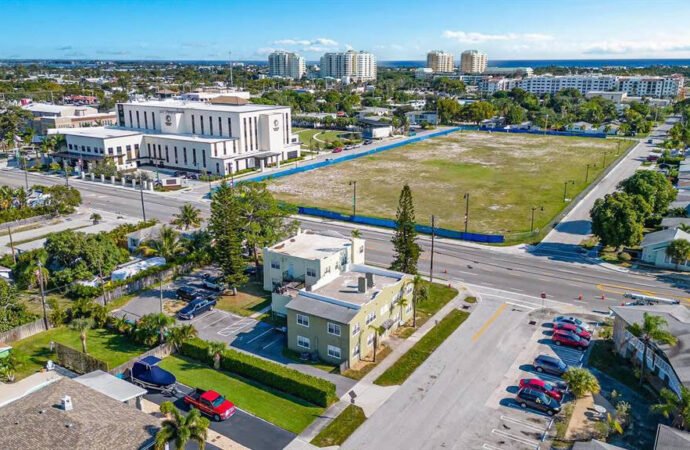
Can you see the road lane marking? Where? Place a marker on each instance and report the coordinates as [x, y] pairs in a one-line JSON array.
[[514, 437], [488, 322]]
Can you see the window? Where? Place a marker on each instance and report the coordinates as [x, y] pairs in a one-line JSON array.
[[303, 342], [384, 309], [245, 133], [194, 156], [210, 125], [167, 155], [334, 352], [370, 340], [303, 320], [128, 148], [275, 264], [355, 329], [334, 329], [184, 154], [408, 308], [229, 127], [355, 350], [361, 249], [193, 125], [256, 135], [175, 152], [311, 272], [153, 120], [138, 122], [131, 123], [69, 146], [201, 121], [408, 289], [146, 121], [203, 157], [220, 126], [119, 150], [327, 270], [370, 318]]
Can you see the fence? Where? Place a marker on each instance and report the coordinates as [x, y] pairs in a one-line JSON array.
[[23, 331], [161, 352], [388, 223], [548, 133], [78, 361], [329, 162]]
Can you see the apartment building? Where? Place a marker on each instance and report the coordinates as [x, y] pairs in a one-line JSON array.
[[493, 84], [350, 65], [286, 65], [440, 62], [473, 61], [658, 87], [193, 136]]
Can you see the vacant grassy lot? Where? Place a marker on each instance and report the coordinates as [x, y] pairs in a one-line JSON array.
[[319, 135], [284, 410], [415, 357], [250, 298], [108, 346], [341, 428], [505, 175]]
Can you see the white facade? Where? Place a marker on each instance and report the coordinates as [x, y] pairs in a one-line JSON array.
[[218, 139], [286, 65], [439, 61], [493, 84], [670, 86], [423, 73], [473, 61], [351, 65]]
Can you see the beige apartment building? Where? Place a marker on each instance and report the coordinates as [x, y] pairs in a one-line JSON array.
[[440, 61], [473, 61]]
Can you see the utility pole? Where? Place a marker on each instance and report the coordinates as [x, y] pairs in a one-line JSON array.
[[64, 166], [587, 174], [141, 190], [26, 172], [565, 189], [354, 198], [531, 227], [161, 291], [14, 257], [433, 235], [467, 209], [43, 297]]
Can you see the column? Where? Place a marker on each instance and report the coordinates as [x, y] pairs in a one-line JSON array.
[[102, 178], [92, 176], [262, 166]]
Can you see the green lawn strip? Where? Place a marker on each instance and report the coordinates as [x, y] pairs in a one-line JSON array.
[[108, 346], [283, 410], [250, 298], [294, 356], [471, 300], [408, 363], [360, 373], [341, 427]]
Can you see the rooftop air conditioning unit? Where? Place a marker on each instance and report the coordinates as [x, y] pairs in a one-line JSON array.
[[66, 402]]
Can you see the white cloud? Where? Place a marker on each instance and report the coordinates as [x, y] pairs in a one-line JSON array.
[[349, 47], [307, 42], [325, 41], [641, 46], [474, 38], [265, 50]]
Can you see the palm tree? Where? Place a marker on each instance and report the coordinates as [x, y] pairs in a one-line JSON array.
[[22, 197], [356, 233], [215, 350], [181, 429], [651, 330], [151, 328], [82, 325], [581, 381], [168, 244], [180, 335], [678, 250], [188, 217], [403, 303], [95, 217], [377, 332], [678, 407], [419, 294]]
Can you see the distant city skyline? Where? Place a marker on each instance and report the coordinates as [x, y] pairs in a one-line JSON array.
[[393, 31]]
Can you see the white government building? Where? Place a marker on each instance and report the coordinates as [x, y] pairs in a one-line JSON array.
[[350, 65], [286, 65], [192, 136]]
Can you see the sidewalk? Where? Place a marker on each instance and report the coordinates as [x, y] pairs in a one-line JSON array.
[[369, 396]]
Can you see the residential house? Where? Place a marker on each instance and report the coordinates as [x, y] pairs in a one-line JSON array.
[[669, 364], [374, 129], [654, 248], [669, 438], [416, 118], [581, 127], [136, 238]]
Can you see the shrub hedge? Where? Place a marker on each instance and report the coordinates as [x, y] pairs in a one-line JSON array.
[[307, 387]]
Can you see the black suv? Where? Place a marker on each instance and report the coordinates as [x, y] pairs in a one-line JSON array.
[[188, 293], [537, 400], [550, 364]]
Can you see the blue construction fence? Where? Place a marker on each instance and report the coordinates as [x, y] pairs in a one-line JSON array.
[[549, 133], [340, 159], [388, 223]]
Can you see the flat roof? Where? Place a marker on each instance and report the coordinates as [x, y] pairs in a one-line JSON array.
[[98, 132], [202, 106], [112, 386], [49, 108], [330, 311], [345, 287], [310, 245]]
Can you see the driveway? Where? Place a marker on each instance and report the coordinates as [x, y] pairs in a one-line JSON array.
[[242, 427]]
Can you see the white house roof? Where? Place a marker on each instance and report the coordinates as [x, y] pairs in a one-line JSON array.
[[201, 106], [668, 235], [47, 108], [314, 246]]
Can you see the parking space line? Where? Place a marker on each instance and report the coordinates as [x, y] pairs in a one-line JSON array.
[[520, 439], [523, 423], [273, 342], [257, 337], [488, 322], [490, 447]]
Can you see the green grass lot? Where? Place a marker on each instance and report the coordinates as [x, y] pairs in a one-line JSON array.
[[505, 175], [283, 410], [105, 345], [438, 296], [341, 428], [408, 363], [250, 298], [305, 134]]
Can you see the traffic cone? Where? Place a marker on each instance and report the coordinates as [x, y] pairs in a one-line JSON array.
[[603, 297], [580, 297]]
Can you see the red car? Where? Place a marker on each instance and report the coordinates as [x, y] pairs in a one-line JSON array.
[[552, 390], [573, 329], [337, 150], [570, 339], [210, 403]]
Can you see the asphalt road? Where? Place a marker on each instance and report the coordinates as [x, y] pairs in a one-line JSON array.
[[242, 427]]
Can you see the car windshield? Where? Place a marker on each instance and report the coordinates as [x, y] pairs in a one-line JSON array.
[[575, 337], [548, 387], [218, 401]]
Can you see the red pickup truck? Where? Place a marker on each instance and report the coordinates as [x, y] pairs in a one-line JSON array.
[[210, 403]]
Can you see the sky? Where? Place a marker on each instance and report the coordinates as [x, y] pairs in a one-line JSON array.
[[392, 30]]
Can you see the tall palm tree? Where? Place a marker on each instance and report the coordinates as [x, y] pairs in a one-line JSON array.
[[168, 244], [419, 294], [378, 331], [188, 217], [215, 350], [180, 335], [678, 407], [652, 329], [22, 197], [181, 429], [82, 325]]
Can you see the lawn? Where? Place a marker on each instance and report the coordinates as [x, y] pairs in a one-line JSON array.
[[438, 296], [415, 357], [319, 135], [364, 367], [341, 428], [108, 346], [283, 410], [250, 298], [505, 175], [321, 365]]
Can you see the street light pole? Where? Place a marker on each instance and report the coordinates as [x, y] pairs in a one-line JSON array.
[[26, 172], [467, 209], [587, 174], [565, 189], [141, 191], [43, 297], [14, 257], [354, 198], [433, 235], [541, 208]]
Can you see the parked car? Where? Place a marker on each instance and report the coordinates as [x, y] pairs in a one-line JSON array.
[[534, 399], [337, 150], [581, 332], [549, 364], [574, 321], [210, 403], [188, 293], [193, 176], [196, 307], [213, 283], [570, 339], [368, 141], [180, 173], [553, 390]]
